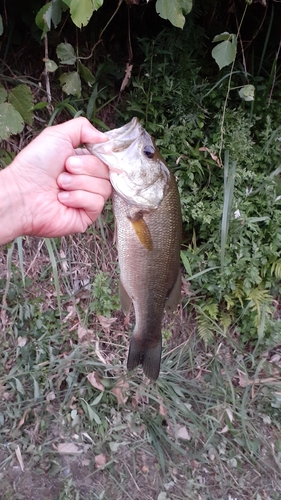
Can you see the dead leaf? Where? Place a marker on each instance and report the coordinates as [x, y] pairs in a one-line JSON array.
[[224, 430], [162, 408], [98, 353], [180, 157], [22, 420], [106, 323], [127, 76], [63, 261], [50, 396], [213, 156], [229, 414], [71, 312], [19, 457], [275, 358], [94, 380], [69, 449], [183, 433], [100, 460], [22, 341], [243, 382], [82, 332], [120, 391], [185, 287]]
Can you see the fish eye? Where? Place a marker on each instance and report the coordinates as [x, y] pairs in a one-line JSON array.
[[149, 151]]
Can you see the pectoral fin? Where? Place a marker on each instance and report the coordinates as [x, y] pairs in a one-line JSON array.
[[174, 295], [142, 231], [125, 299]]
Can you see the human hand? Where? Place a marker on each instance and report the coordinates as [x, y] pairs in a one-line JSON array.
[[54, 189]]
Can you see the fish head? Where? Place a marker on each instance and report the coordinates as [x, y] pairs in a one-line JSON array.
[[138, 173]]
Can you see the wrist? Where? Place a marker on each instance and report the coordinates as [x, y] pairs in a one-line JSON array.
[[13, 221]]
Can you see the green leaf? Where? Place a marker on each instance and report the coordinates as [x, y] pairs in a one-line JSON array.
[[11, 121], [82, 10], [186, 263], [174, 10], [40, 105], [86, 74], [43, 18], [22, 99], [225, 52], [56, 12], [71, 83], [223, 36], [3, 94], [48, 13], [247, 93], [50, 65], [92, 415], [66, 54]]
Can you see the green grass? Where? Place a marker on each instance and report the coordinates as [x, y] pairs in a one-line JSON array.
[[208, 429]]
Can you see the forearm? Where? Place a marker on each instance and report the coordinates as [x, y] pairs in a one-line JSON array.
[[11, 207]]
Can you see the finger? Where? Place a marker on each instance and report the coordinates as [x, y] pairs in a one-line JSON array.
[[87, 165], [91, 203], [78, 131], [85, 183]]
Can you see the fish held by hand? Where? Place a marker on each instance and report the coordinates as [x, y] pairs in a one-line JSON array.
[[147, 214]]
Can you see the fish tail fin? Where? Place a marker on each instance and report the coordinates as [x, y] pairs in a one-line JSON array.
[[148, 357]]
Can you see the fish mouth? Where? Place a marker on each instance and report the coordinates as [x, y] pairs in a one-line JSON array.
[[124, 136], [131, 130], [119, 139]]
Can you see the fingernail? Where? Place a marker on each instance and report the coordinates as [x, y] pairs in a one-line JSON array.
[[63, 195], [65, 179], [75, 162]]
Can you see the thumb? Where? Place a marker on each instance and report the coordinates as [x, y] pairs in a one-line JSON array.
[[80, 131]]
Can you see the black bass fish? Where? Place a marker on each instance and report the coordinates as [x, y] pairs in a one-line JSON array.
[[147, 214]]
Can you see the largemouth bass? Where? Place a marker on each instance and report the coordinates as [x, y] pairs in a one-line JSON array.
[[147, 214]]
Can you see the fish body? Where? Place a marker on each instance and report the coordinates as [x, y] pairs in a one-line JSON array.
[[147, 213]]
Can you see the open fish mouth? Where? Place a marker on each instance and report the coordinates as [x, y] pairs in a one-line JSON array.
[[120, 139]]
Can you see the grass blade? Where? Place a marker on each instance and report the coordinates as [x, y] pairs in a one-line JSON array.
[[49, 244], [19, 245], [229, 179]]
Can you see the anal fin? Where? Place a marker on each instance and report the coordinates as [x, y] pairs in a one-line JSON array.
[[174, 295], [125, 299]]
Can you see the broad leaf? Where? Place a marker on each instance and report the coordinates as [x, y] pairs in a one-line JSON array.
[[174, 10], [82, 10], [11, 121], [3, 94], [71, 83], [50, 65], [225, 52], [247, 93], [22, 99], [43, 18], [48, 13], [56, 11], [223, 36], [86, 74], [66, 54]]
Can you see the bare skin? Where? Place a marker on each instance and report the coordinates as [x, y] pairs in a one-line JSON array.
[[53, 188]]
